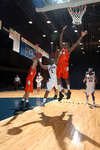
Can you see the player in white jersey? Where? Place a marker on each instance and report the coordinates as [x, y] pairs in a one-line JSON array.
[[52, 81], [91, 81], [39, 79]]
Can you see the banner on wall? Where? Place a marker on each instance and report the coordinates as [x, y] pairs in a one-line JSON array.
[[27, 49], [0, 24], [15, 36]]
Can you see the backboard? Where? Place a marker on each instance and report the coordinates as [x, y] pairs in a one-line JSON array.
[[48, 5]]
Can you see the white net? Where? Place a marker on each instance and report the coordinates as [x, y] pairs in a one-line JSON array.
[[77, 13]]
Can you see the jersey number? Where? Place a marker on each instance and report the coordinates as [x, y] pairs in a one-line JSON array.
[[51, 71], [90, 80]]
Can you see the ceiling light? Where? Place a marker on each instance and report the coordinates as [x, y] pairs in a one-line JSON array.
[[93, 5], [30, 22], [63, 42], [55, 31], [99, 46], [51, 42], [81, 47], [58, 49], [75, 30], [44, 35], [83, 52], [80, 43], [97, 51], [99, 40], [48, 21]]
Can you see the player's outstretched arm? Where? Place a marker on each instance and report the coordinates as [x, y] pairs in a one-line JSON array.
[[61, 36], [34, 64], [83, 33], [56, 62], [36, 47], [43, 66]]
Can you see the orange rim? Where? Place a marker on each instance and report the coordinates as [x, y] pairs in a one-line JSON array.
[[78, 12]]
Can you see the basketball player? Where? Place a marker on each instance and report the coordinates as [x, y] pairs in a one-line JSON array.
[[63, 63], [39, 79], [52, 81], [29, 82], [91, 81]]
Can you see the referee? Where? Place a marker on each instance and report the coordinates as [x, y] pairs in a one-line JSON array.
[[16, 82]]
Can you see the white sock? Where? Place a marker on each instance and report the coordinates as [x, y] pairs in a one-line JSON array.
[[27, 101], [68, 87], [44, 100], [59, 88], [22, 99]]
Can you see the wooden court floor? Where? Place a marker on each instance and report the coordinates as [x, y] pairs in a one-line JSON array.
[[57, 126]]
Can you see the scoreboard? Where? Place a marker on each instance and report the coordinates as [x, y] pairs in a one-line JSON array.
[[26, 48]]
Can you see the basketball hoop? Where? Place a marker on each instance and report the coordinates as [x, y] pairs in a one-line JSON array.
[[77, 13]]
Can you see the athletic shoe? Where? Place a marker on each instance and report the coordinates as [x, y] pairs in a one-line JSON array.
[[21, 104], [27, 105], [86, 102], [68, 94], [60, 96], [43, 104], [55, 97], [93, 104]]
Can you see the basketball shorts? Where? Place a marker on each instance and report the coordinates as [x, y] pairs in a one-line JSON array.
[[38, 84], [62, 71], [90, 90], [50, 84]]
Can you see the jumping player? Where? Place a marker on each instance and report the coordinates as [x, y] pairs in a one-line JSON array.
[[39, 79], [29, 82], [52, 81], [63, 63], [91, 81]]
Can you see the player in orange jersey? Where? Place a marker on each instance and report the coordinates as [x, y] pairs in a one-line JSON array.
[[63, 63], [29, 82]]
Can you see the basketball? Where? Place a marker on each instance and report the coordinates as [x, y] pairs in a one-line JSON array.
[[38, 55]]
